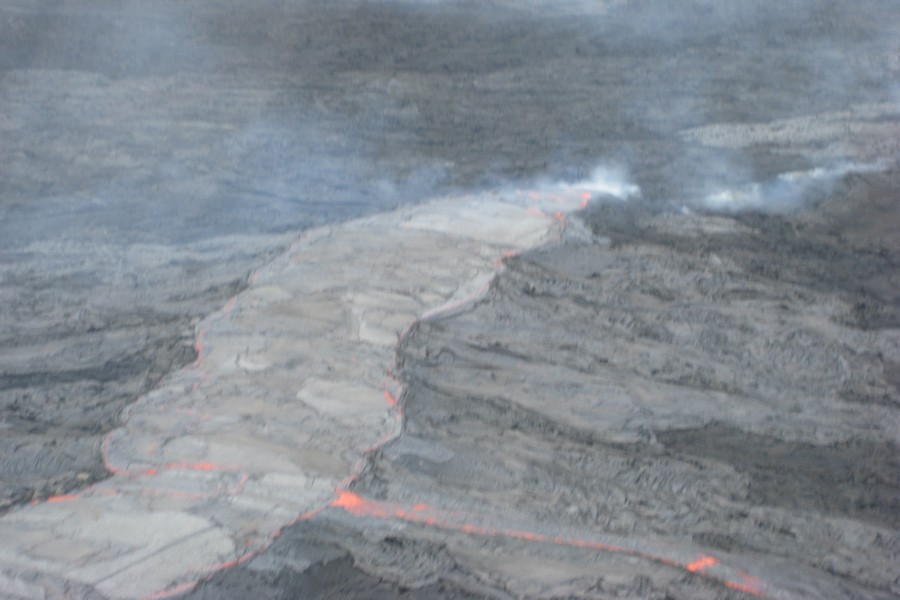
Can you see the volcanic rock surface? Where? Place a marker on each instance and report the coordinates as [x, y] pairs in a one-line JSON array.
[[692, 393]]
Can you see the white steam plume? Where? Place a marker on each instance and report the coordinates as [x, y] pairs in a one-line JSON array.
[[786, 191], [607, 180]]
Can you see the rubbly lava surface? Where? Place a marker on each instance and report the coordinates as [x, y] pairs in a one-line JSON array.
[[327, 299], [638, 411]]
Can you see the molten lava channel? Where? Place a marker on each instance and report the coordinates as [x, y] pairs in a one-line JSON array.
[[290, 392]]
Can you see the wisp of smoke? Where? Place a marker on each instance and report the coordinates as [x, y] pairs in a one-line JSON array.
[[787, 191], [605, 180]]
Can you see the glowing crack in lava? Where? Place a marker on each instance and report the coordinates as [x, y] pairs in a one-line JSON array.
[[290, 393], [703, 564]]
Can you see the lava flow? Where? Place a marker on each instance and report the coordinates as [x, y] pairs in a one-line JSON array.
[[290, 395], [421, 514]]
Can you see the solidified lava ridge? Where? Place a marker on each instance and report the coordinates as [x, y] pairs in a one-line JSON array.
[[290, 391]]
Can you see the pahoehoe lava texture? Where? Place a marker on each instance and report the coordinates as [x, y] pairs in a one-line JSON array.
[[645, 377], [155, 152], [728, 381], [661, 384]]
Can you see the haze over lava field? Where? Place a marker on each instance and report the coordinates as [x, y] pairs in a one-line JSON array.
[[447, 299]]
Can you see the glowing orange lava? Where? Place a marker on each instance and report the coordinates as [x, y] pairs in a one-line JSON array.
[[63, 498], [418, 513], [748, 583], [422, 514], [198, 348], [701, 564], [352, 503]]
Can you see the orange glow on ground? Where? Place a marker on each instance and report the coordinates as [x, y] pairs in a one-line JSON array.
[[422, 514], [198, 348], [352, 503], [173, 591], [198, 467], [63, 498], [748, 584], [701, 564], [418, 513]]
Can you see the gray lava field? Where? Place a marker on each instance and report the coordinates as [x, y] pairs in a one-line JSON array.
[[624, 276]]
